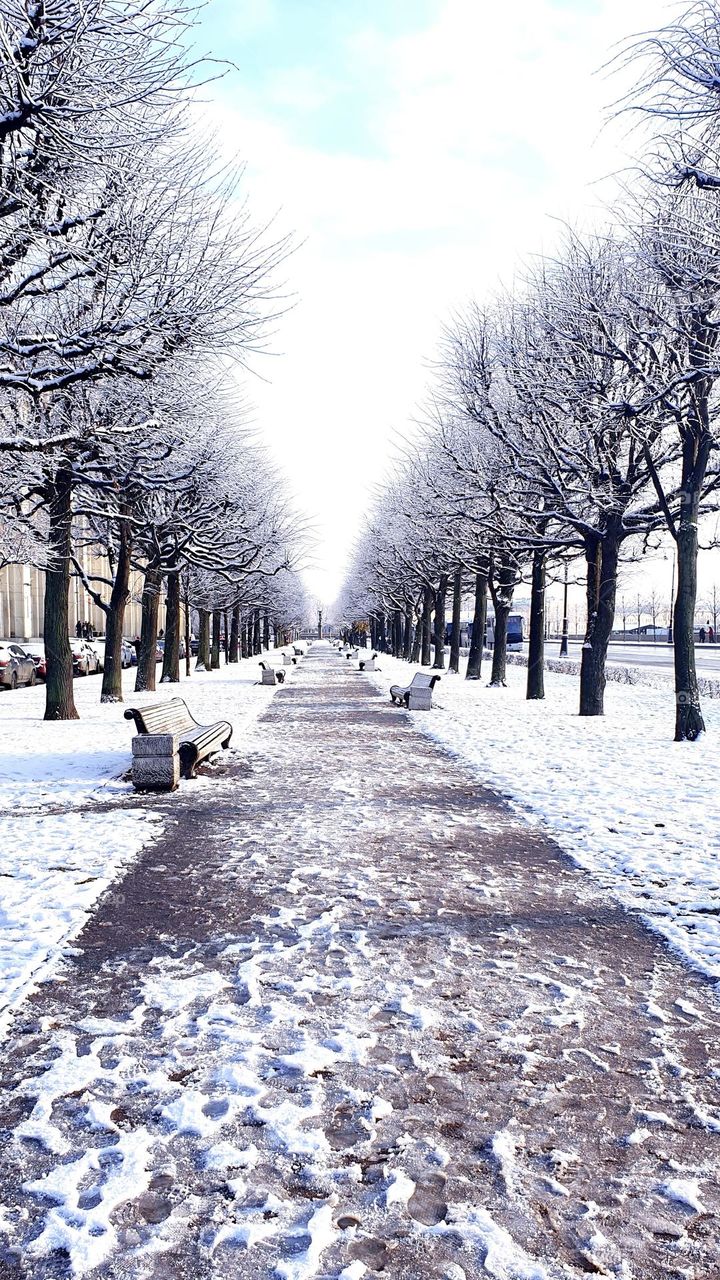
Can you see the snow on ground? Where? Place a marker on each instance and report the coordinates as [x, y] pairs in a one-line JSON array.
[[364, 1063], [637, 810], [70, 819]]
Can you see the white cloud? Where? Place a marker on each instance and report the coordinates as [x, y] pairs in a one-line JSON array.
[[487, 124]]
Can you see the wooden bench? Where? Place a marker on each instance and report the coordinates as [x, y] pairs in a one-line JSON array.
[[368, 664], [289, 659], [270, 675], [416, 696], [170, 743]]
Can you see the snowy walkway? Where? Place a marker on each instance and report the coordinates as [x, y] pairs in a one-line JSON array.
[[351, 1016]]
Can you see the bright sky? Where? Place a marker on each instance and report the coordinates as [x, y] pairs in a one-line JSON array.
[[418, 149]]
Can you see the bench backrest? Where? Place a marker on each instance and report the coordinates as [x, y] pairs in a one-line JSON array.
[[423, 681], [171, 716]]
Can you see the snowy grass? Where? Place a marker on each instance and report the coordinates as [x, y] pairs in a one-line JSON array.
[[62, 845], [637, 810]]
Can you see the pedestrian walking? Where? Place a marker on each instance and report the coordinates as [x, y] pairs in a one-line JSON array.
[[711, 634], [702, 635]]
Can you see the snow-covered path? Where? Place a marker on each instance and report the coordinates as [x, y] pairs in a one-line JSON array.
[[351, 1015]]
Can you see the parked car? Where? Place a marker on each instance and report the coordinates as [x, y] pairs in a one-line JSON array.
[[127, 652], [160, 650], [16, 666], [95, 662], [37, 653], [85, 659], [98, 647]]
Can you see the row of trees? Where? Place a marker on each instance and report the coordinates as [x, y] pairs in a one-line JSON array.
[[133, 286], [577, 418]]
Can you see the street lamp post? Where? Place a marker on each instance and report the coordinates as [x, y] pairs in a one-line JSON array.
[[564, 640], [319, 624]]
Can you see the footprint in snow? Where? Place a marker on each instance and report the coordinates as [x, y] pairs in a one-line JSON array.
[[427, 1204]]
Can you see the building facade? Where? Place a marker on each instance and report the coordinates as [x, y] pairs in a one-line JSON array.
[[22, 593]]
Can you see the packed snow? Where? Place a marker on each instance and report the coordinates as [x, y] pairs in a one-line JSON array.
[[71, 820], [637, 810]]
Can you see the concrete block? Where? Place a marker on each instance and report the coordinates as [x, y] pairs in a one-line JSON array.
[[156, 773], [154, 744]]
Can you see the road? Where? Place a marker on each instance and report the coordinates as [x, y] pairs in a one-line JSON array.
[[658, 656]]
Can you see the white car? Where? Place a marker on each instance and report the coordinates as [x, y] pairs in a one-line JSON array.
[[85, 659]]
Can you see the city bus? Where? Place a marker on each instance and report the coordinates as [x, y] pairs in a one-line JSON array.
[[514, 632]]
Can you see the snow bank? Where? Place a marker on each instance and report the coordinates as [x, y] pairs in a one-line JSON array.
[[637, 810], [71, 821]]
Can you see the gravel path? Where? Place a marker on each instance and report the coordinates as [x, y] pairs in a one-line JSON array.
[[349, 1016]]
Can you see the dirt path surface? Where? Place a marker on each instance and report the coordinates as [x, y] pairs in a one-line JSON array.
[[350, 1016]]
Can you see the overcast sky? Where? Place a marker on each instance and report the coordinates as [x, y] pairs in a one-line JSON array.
[[418, 150]]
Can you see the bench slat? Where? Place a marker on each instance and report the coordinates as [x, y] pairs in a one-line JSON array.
[[196, 741]]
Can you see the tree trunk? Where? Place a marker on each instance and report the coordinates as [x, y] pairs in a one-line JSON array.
[[146, 667], [417, 640], [501, 589], [601, 557], [115, 619], [397, 633], [256, 646], [439, 626], [689, 723], [425, 648], [203, 653], [474, 666], [215, 651], [266, 633], [171, 653], [234, 634], [226, 637], [536, 643], [187, 636], [59, 700], [382, 639], [244, 651], [407, 631], [455, 636]]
